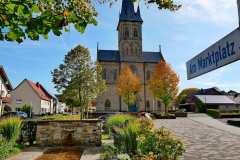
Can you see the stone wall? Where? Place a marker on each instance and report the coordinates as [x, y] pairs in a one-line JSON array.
[[82, 132]]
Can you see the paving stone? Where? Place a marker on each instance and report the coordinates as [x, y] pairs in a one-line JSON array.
[[205, 138]]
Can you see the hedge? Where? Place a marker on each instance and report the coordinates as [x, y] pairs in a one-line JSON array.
[[234, 123], [215, 113]]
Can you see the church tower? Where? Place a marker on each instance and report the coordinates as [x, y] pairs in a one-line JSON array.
[[130, 31]]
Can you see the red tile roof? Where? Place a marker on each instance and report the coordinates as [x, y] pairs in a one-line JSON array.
[[5, 78], [40, 90], [6, 99]]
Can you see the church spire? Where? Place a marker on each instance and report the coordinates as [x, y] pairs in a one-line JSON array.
[[128, 14]]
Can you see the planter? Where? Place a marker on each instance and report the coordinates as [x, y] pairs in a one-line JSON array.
[[170, 116], [181, 114]]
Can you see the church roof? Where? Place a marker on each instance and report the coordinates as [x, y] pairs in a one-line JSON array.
[[108, 55], [114, 56], [128, 13]]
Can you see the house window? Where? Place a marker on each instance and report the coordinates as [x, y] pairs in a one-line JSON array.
[[107, 104], [18, 101]]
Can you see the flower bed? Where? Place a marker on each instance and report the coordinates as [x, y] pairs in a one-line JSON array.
[[138, 139]]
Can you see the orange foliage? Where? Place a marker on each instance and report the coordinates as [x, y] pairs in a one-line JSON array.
[[128, 85], [164, 83]]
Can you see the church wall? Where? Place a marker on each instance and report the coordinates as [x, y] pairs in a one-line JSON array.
[[111, 95]]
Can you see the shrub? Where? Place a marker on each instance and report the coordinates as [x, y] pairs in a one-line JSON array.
[[27, 109], [140, 140], [10, 129], [234, 123], [160, 144], [119, 121], [215, 113], [9, 132], [60, 117], [127, 138], [230, 115], [110, 152]]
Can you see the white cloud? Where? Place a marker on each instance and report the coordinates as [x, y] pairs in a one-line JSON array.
[[220, 12]]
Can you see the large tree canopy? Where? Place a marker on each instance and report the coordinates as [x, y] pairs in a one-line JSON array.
[[164, 83], [78, 79], [34, 18]]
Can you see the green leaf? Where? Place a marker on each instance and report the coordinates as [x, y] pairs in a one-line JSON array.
[[33, 35], [20, 10], [12, 35], [35, 9], [57, 32], [11, 7], [45, 36], [80, 27]]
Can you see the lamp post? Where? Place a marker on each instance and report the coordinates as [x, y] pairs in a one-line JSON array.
[[1, 103]]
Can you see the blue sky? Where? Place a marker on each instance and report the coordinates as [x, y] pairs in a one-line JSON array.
[[182, 35]]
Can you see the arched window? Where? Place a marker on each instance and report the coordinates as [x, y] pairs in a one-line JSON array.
[[134, 69], [107, 104], [126, 50], [135, 33], [148, 105], [104, 74], [148, 76], [126, 33], [114, 74], [159, 104]]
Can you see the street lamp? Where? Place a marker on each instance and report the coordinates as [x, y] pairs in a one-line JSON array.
[[1, 102]]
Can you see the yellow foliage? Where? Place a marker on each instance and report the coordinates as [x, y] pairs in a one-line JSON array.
[[164, 83], [128, 85]]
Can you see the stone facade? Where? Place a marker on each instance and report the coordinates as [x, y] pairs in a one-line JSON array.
[[79, 133], [130, 53]]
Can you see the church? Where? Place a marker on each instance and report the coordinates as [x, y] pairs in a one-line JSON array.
[[130, 53]]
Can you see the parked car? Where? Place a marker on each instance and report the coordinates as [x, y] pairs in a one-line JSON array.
[[19, 114]]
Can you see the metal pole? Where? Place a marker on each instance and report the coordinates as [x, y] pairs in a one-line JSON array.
[[1, 99], [238, 4]]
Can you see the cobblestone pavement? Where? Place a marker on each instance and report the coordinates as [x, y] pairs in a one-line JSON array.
[[204, 142]]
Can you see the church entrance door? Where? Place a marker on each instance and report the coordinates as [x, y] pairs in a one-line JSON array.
[[133, 108]]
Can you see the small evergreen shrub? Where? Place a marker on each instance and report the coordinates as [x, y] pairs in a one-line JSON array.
[[215, 113]]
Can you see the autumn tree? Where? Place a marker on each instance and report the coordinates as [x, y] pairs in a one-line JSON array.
[[35, 18], [128, 86], [185, 93], [164, 84], [78, 79]]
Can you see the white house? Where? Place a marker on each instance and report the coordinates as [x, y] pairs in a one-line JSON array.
[[5, 88], [34, 94]]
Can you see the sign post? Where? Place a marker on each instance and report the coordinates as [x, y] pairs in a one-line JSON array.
[[221, 53]]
